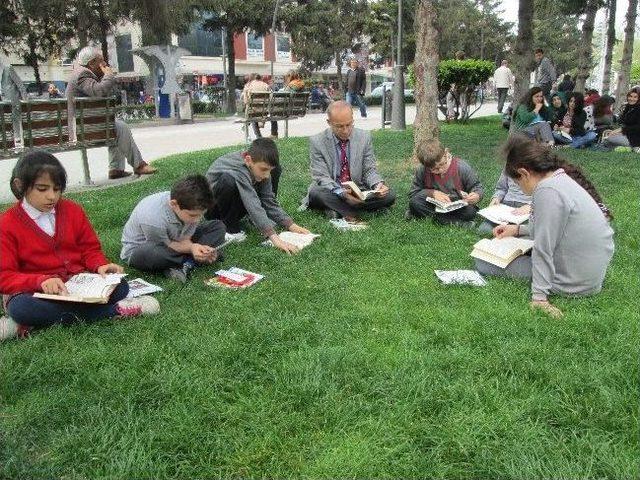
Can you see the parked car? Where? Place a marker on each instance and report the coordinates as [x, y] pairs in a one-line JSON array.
[[388, 86]]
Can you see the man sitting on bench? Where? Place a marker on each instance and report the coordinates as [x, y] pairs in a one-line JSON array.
[[92, 77]]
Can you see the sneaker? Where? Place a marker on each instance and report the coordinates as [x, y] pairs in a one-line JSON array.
[[145, 169], [10, 329], [408, 215], [134, 307], [235, 237]]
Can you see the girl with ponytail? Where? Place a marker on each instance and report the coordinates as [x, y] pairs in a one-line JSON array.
[[569, 225]]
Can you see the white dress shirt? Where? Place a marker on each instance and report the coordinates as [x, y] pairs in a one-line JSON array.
[[45, 220]]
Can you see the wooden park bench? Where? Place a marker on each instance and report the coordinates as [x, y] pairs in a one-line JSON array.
[[273, 107], [44, 125]]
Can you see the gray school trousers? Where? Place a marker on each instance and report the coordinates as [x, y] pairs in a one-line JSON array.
[[153, 257], [420, 208], [519, 269], [613, 141], [321, 199], [540, 131], [125, 149]]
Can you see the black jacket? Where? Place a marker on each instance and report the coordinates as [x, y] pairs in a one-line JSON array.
[[630, 120], [361, 80]]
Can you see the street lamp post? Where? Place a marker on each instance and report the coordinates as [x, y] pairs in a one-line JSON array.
[[397, 107], [275, 39]]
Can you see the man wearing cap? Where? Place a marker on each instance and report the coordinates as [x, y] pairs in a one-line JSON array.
[[92, 77]]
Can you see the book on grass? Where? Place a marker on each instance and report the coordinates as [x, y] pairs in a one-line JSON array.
[[460, 277], [361, 194], [501, 251], [346, 226], [234, 278], [299, 240], [87, 288], [444, 207], [503, 214], [139, 287]]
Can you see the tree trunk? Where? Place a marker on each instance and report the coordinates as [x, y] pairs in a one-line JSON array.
[[584, 52], [522, 54], [426, 126], [231, 76], [31, 59], [341, 88], [627, 52], [104, 30], [611, 40]]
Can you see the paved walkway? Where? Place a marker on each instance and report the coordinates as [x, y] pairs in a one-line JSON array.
[[160, 141]]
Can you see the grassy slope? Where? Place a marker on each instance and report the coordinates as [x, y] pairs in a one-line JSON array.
[[349, 360]]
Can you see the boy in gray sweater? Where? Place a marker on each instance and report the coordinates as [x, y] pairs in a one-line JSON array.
[[246, 183], [447, 179], [573, 242]]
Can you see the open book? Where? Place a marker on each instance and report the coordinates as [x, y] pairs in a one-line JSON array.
[[503, 214], [234, 278], [566, 135], [299, 240], [139, 287], [444, 207], [87, 288], [501, 251], [362, 195]]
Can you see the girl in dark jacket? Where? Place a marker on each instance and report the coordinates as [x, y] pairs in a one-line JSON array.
[[571, 130], [629, 134]]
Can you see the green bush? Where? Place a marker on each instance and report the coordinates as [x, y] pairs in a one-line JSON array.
[[460, 72], [205, 108], [635, 74]]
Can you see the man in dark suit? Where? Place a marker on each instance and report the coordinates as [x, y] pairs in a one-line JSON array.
[[341, 154], [92, 77], [356, 85]]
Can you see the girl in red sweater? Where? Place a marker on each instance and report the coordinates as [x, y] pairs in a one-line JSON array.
[[45, 240]]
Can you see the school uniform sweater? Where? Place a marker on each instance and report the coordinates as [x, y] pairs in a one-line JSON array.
[[29, 256], [257, 197], [572, 239], [459, 177], [507, 190]]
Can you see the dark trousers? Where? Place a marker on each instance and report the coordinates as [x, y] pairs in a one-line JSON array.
[[229, 207], [502, 96], [28, 310], [322, 199], [258, 133], [420, 208], [153, 257]]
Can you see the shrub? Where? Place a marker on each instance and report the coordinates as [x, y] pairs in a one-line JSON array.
[[460, 72]]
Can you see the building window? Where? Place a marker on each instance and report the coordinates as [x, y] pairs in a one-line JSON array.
[[123, 51], [202, 43], [283, 44], [255, 45]]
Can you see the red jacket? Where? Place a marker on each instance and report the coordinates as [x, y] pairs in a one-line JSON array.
[[28, 256]]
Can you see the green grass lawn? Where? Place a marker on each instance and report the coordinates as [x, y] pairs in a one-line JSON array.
[[348, 360]]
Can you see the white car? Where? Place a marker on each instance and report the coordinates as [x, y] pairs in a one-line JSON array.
[[388, 86]]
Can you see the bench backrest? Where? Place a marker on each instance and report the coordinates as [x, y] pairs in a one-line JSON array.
[[45, 123], [6, 127], [299, 101], [280, 104], [258, 105]]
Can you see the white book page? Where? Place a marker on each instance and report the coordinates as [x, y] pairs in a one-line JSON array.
[[504, 247], [503, 214], [299, 240], [92, 285]]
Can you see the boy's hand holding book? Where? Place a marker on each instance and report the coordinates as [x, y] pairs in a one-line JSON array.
[[471, 198], [54, 286], [203, 253], [502, 231], [298, 229], [494, 201], [441, 197], [110, 268], [382, 189]]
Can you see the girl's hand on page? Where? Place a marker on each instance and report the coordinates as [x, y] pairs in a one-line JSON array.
[[54, 286]]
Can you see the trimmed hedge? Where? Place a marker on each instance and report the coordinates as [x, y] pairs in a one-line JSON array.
[[460, 72]]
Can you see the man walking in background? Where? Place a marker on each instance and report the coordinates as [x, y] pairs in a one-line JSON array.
[[503, 79], [545, 72], [356, 85]]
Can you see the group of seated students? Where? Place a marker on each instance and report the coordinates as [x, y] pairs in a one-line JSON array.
[[45, 239], [567, 119]]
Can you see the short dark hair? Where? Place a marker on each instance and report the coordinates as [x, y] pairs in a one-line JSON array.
[[264, 150], [32, 165], [429, 155], [192, 193], [538, 50]]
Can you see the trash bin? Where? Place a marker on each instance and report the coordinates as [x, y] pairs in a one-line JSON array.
[[164, 107], [387, 99], [185, 112]]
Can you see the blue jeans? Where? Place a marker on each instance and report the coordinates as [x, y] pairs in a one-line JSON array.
[[356, 101], [28, 310], [578, 141]]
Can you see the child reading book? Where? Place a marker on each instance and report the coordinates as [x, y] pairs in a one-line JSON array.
[[165, 233], [445, 179], [242, 184], [507, 193], [572, 239], [45, 240]]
